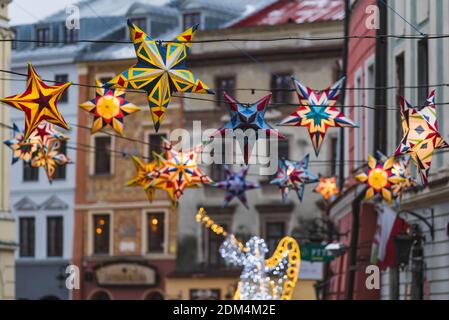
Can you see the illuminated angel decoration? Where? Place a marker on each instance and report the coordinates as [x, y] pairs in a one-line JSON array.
[[38, 102], [109, 108], [380, 178], [327, 187], [421, 135], [160, 70], [247, 118], [236, 185], [177, 171], [293, 175], [274, 278], [318, 112]]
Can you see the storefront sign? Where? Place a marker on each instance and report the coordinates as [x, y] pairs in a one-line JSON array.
[[315, 252], [126, 274], [205, 294]]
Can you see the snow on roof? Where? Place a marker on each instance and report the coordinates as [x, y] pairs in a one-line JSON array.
[[296, 11]]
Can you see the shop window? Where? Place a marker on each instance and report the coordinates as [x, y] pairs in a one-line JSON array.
[[156, 232], [101, 233]]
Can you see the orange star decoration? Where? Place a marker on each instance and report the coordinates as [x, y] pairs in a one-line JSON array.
[[380, 178], [109, 108], [142, 178], [327, 187], [48, 156], [178, 171], [38, 102]]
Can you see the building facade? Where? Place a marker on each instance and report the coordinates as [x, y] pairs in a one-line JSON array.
[[7, 222], [233, 66], [421, 63]]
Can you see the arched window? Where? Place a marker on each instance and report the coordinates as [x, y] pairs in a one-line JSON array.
[[154, 295], [100, 295]]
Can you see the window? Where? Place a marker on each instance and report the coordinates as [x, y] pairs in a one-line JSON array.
[[104, 80], [70, 35], [27, 237], [191, 19], [280, 85], [102, 164], [283, 152], [30, 173], [156, 232], [217, 172], [140, 22], [400, 92], [423, 71], [101, 223], [61, 79], [60, 171], [333, 154], [55, 236], [214, 242], [42, 37], [155, 141], [223, 84], [275, 231]]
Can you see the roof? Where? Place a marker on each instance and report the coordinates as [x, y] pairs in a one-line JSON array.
[[294, 11]]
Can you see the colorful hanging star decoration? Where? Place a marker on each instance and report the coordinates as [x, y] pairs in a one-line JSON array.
[[109, 108], [41, 149], [235, 185], [246, 118], [380, 178], [142, 177], [293, 175], [48, 156], [327, 187], [421, 135], [318, 112], [160, 71], [38, 102], [177, 171], [22, 149]]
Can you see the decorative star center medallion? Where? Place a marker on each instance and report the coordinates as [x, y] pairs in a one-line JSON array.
[[107, 107]]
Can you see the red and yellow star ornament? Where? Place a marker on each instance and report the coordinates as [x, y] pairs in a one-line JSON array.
[[160, 70], [109, 108], [327, 187], [38, 102], [49, 157], [142, 177], [380, 178]]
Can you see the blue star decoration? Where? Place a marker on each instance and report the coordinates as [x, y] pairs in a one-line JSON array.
[[236, 185], [251, 117], [293, 175]]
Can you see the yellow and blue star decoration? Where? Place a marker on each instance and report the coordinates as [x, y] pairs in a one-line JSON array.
[[38, 102], [109, 108], [421, 135], [293, 175], [244, 118], [317, 112], [236, 185], [160, 70]]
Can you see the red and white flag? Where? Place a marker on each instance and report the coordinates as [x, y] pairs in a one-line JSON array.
[[383, 252]]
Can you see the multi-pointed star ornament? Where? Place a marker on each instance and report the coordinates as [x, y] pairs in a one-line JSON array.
[[235, 185], [327, 187], [49, 156], [160, 70], [293, 175], [178, 171], [21, 149], [46, 132], [317, 112], [246, 118], [109, 108], [421, 135], [380, 178], [142, 177], [38, 102]]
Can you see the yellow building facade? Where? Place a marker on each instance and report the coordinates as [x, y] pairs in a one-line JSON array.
[[7, 225]]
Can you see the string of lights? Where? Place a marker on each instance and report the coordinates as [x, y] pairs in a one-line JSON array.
[[273, 104]]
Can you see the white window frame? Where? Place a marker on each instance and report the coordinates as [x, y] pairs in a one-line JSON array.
[[90, 228], [92, 154], [358, 98], [369, 113], [144, 239]]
